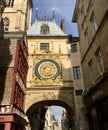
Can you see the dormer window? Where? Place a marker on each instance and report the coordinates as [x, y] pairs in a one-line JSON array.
[[6, 24], [44, 29]]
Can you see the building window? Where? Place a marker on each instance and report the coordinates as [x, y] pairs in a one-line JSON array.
[[10, 3], [6, 24], [44, 46], [99, 61], [92, 74], [44, 29], [83, 14], [73, 48], [78, 92], [87, 37], [19, 96], [93, 23], [76, 72], [88, 2]]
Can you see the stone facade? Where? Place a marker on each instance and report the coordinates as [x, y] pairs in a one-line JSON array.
[[50, 122], [91, 17], [50, 79], [19, 16], [49, 90], [7, 56], [12, 83], [62, 88], [64, 121], [13, 65], [78, 84]]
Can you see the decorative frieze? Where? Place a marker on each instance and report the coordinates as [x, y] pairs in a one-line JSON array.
[[49, 96]]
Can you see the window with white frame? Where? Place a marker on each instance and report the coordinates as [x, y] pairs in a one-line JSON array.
[[76, 72], [6, 24], [93, 23], [73, 48], [99, 61], [91, 68], [87, 37]]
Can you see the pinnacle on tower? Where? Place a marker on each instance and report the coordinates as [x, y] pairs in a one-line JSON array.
[[36, 13]]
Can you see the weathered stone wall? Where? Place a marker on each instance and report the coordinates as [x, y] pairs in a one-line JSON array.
[[7, 60]]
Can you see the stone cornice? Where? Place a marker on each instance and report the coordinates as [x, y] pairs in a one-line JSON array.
[[49, 88]]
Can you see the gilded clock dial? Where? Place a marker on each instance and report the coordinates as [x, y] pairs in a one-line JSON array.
[[47, 68]]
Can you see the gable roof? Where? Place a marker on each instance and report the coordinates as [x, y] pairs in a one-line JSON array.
[[54, 29]]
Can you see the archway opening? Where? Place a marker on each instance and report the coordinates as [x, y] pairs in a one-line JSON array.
[[44, 116]]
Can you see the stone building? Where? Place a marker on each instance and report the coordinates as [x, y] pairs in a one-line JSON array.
[[50, 122], [49, 80], [78, 84], [92, 19], [37, 69], [54, 75], [13, 65], [2, 6], [64, 120]]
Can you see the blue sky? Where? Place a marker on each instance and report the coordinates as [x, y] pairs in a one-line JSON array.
[[63, 10], [57, 111]]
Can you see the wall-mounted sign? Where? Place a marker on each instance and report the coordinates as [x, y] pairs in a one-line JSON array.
[[97, 94]]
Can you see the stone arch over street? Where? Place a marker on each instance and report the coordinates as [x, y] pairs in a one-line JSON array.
[[36, 105], [41, 95]]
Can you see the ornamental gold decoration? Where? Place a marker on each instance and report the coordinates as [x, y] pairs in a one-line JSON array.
[[47, 68]]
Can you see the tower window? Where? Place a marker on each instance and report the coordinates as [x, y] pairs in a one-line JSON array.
[[10, 3], [44, 29], [44, 46], [6, 24]]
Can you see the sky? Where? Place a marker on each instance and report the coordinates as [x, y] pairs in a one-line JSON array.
[[63, 10]]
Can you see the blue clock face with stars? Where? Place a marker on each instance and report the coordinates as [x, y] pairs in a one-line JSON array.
[[47, 69]]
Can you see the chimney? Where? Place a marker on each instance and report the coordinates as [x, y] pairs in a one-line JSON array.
[[62, 25]]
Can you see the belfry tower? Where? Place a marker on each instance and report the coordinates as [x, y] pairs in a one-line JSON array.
[[49, 78], [37, 69]]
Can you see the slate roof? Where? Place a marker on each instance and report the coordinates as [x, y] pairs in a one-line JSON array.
[[54, 29]]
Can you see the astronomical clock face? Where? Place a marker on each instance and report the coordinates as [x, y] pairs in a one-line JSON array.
[[47, 68]]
